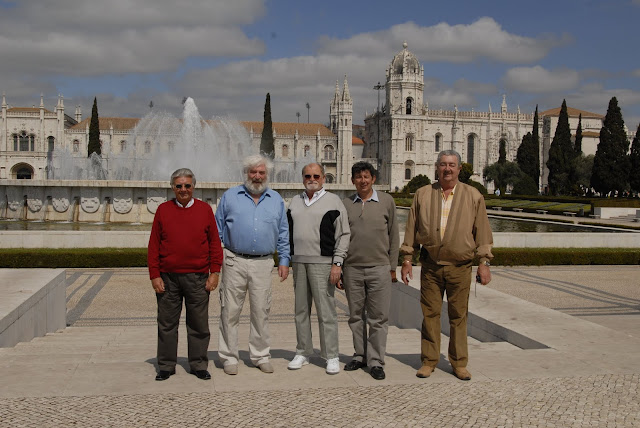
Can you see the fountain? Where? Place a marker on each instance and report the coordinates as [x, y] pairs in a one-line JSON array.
[[128, 182]]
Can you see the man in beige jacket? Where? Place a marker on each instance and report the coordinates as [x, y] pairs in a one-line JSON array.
[[448, 219]]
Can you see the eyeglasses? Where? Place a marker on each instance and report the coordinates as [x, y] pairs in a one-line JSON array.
[[315, 176], [186, 186]]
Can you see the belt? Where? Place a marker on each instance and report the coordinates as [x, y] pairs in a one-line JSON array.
[[251, 256]]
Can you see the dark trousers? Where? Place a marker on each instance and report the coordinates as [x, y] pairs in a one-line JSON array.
[[435, 280], [191, 287]]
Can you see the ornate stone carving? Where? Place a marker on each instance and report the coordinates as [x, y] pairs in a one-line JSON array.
[[122, 200], [34, 204], [90, 200], [154, 198], [60, 199]]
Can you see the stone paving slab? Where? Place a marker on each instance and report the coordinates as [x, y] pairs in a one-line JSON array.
[[100, 370]]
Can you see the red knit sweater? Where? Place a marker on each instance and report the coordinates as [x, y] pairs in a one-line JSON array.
[[184, 240]]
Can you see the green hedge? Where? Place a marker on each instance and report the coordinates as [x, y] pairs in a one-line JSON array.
[[137, 257], [561, 256]]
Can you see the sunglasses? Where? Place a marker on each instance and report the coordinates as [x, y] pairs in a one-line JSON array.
[[315, 176], [186, 186]]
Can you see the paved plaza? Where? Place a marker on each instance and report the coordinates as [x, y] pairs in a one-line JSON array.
[[100, 371]]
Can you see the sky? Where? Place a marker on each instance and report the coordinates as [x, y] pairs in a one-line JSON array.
[[227, 55]]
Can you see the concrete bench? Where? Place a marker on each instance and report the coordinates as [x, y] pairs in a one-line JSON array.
[[569, 213], [518, 210], [497, 208], [542, 211], [594, 215]]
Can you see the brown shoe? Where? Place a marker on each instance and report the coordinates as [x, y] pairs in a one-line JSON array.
[[424, 371], [462, 373]]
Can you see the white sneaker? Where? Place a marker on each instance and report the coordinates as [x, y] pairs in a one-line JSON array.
[[297, 362], [333, 366]]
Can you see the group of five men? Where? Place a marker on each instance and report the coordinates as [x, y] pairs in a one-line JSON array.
[[351, 244]]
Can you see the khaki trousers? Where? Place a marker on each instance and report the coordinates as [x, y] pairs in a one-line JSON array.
[[435, 280], [311, 282], [191, 288], [242, 276]]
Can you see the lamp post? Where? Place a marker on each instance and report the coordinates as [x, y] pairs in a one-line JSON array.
[[298, 116], [308, 107], [378, 88]]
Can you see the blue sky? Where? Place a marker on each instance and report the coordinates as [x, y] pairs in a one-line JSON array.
[[228, 54]]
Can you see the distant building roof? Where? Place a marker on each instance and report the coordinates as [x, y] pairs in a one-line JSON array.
[[357, 141], [26, 110], [118, 123], [290, 128], [572, 112]]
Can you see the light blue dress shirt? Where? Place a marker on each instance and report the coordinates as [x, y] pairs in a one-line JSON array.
[[249, 228]]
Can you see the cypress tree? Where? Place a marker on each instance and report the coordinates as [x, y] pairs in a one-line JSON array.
[[94, 131], [527, 157], [577, 146], [611, 164], [502, 152], [535, 147], [561, 155], [266, 142], [634, 173]]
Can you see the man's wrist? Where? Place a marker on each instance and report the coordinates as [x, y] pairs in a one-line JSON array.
[[406, 261]]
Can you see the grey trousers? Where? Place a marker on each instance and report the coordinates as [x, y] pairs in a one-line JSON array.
[[368, 292], [239, 277], [191, 288], [311, 282]]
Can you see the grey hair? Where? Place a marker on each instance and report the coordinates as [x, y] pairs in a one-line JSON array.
[[183, 172], [313, 163], [449, 153], [256, 160]]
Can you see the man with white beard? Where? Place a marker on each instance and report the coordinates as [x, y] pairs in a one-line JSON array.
[[252, 224]]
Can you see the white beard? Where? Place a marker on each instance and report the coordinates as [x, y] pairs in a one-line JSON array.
[[256, 188]]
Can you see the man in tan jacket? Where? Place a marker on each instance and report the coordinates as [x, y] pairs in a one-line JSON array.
[[448, 219]]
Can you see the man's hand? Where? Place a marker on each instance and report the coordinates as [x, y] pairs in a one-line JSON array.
[[283, 272], [393, 276], [334, 276], [484, 273], [212, 281], [158, 285], [406, 273]]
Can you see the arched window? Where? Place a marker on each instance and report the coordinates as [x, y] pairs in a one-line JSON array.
[[408, 170], [285, 151], [329, 178], [328, 153], [123, 145], [147, 146], [24, 142], [76, 146], [470, 148], [409, 105], [307, 151], [408, 143], [22, 171], [438, 143], [50, 143]]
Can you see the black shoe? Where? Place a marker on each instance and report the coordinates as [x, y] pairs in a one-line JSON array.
[[354, 365], [164, 374], [377, 373], [201, 374]]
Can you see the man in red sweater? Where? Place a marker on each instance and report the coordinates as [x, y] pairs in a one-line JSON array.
[[184, 258]]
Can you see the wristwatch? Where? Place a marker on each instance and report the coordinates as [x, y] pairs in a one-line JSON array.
[[486, 263], [337, 264]]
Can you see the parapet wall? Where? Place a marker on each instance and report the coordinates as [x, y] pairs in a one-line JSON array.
[[110, 201]]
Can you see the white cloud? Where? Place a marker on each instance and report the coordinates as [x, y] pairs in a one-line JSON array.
[[482, 39], [539, 80], [83, 38]]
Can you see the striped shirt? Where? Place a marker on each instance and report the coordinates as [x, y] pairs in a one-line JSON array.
[[447, 201]]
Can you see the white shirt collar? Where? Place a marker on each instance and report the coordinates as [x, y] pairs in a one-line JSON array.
[[374, 197], [308, 202], [189, 204]]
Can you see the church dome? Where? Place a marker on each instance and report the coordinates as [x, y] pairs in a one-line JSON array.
[[405, 62]]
